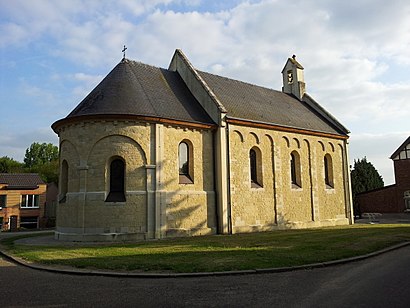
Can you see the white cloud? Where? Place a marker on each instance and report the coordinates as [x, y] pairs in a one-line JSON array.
[[85, 85], [14, 145], [347, 50], [11, 34], [44, 98], [144, 6], [91, 79]]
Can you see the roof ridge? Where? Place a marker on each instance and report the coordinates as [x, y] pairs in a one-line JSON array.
[[129, 61], [241, 81], [142, 87], [206, 87]]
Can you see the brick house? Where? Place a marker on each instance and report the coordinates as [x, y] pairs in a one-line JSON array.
[[393, 198], [22, 199]]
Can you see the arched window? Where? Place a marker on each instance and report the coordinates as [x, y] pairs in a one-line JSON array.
[[295, 174], [117, 181], [255, 163], [185, 163], [64, 181], [328, 168]]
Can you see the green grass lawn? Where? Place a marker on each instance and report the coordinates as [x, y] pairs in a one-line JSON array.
[[221, 252]]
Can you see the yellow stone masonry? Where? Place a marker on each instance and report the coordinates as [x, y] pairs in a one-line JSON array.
[[158, 205], [278, 204], [184, 209]]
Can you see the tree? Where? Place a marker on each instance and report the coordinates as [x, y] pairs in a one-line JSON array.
[[48, 171], [42, 159], [365, 177], [9, 165], [38, 154]]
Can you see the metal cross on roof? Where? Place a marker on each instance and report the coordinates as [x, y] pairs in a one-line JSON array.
[[123, 52]]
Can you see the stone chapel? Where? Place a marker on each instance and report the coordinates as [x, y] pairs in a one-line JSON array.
[[155, 153]]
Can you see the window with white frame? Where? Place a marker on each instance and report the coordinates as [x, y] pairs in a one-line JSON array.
[[30, 201]]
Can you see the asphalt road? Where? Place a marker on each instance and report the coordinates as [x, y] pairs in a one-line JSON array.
[[382, 281]]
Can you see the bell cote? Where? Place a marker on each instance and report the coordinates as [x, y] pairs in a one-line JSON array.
[[293, 79]]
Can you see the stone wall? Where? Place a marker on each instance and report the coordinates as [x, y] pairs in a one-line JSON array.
[[189, 208], [277, 203], [88, 149], [159, 205], [156, 205]]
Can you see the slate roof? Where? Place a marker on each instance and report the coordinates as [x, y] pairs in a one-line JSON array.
[[21, 180], [250, 102], [134, 88]]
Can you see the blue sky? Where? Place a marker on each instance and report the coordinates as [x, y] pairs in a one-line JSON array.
[[355, 55]]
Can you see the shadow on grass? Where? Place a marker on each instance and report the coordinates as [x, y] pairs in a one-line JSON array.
[[223, 253]]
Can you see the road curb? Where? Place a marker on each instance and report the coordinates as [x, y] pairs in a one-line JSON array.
[[74, 271]]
